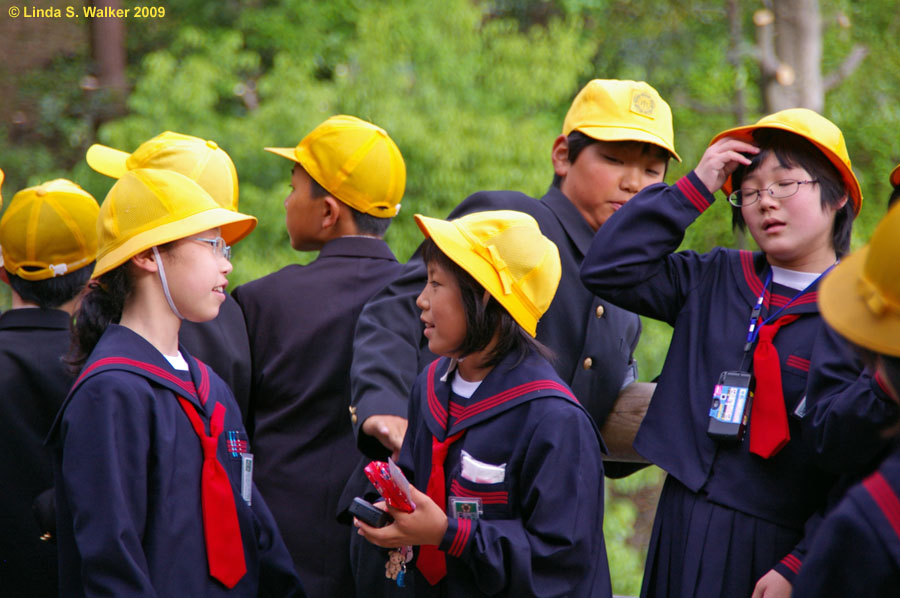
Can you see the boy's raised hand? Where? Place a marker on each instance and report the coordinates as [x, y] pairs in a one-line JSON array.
[[424, 526], [721, 159]]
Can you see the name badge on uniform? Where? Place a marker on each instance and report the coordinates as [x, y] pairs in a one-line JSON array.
[[465, 507], [247, 478]]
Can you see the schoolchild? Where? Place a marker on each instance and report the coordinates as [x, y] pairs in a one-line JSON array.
[[856, 551], [347, 181], [222, 342], [734, 503], [616, 138], [154, 493], [49, 238], [510, 461]]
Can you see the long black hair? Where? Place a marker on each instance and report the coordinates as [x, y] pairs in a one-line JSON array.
[[101, 306], [484, 320]]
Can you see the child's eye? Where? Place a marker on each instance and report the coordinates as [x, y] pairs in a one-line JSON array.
[[653, 172], [612, 159]]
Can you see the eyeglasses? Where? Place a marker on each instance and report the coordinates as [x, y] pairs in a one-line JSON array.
[[219, 247], [778, 190]]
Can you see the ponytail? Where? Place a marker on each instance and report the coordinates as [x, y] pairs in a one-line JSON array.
[[101, 306]]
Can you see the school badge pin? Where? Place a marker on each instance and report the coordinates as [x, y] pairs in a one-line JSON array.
[[643, 103]]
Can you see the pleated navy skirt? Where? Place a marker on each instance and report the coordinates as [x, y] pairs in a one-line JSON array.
[[705, 550]]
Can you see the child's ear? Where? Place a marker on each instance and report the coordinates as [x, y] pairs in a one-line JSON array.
[[145, 260], [331, 212], [560, 156]]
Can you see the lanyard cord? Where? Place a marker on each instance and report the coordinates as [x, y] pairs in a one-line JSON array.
[[753, 329]]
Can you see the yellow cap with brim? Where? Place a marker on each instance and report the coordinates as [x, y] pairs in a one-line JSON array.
[[506, 253], [2, 177], [355, 161], [147, 207], [895, 176], [49, 230], [813, 127], [199, 159], [616, 110], [860, 298]]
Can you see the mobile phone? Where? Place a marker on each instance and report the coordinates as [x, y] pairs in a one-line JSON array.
[[369, 514]]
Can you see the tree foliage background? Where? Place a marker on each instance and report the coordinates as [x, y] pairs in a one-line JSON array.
[[472, 91]]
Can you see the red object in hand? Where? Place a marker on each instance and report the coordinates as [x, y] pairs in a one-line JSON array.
[[393, 488]]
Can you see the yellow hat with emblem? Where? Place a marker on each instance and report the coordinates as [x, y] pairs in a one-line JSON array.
[[199, 159], [816, 129], [147, 207], [355, 161], [49, 230], [860, 297], [506, 253], [617, 110]]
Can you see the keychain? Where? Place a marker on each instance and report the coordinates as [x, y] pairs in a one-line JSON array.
[[395, 567]]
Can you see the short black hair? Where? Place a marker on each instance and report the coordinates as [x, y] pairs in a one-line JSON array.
[[794, 151], [53, 292], [484, 320], [366, 224], [578, 141], [895, 195], [890, 369]]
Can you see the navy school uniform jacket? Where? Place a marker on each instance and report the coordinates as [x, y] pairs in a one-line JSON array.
[[708, 298], [856, 551], [128, 465], [541, 530], [593, 340], [222, 343], [301, 321], [34, 383]]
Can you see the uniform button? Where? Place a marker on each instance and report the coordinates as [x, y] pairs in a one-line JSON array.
[[353, 419], [587, 363], [600, 311]]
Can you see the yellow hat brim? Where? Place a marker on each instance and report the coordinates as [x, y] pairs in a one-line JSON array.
[[107, 160], [234, 227], [284, 152], [455, 246], [845, 310], [626, 134]]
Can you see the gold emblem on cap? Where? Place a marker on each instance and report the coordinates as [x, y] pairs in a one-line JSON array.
[[643, 103]]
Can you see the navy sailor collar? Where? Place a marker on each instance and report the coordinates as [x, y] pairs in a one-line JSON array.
[[750, 270]]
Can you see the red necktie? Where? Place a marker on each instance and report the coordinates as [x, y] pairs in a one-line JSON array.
[[432, 562], [769, 430], [224, 548]]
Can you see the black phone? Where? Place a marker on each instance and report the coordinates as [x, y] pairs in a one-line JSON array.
[[369, 514]]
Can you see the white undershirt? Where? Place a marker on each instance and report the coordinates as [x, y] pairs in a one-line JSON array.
[[177, 362], [464, 388], [792, 278]]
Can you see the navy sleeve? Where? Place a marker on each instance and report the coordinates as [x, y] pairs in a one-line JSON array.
[[387, 346], [847, 408], [105, 453], [557, 541], [277, 577], [632, 261]]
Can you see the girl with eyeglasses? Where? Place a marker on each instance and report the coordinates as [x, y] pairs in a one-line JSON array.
[[153, 468], [725, 419]]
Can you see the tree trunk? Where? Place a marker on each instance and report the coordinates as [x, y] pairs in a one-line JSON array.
[[108, 53]]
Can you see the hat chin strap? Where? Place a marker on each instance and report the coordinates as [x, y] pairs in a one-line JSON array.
[[165, 285]]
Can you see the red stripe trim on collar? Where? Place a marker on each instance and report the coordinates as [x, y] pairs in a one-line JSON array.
[[510, 394], [488, 498], [885, 498], [750, 276], [692, 194], [147, 367], [434, 404], [203, 391]]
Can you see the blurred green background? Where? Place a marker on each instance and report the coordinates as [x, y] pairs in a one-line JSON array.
[[473, 92]]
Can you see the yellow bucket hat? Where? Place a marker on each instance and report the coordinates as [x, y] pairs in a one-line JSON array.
[[147, 207], [860, 298], [198, 159], [507, 254], [614, 110], [355, 161], [2, 176], [813, 127], [895, 176], [49, 230]]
